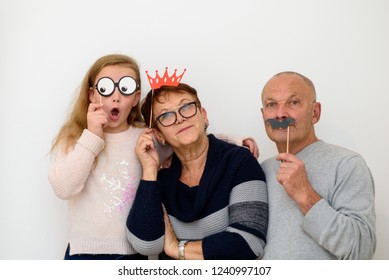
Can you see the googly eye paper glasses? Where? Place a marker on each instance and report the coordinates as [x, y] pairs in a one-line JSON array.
[[126, 85]]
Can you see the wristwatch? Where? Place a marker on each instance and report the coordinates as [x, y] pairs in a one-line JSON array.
[[181, 249]]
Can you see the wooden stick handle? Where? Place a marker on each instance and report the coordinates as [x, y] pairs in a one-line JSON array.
[[287, 140], [151, 108]]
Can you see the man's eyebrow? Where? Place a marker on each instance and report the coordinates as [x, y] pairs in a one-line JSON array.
[[294, 94]]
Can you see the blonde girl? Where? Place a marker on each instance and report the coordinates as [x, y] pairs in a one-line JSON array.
[[95, 167]]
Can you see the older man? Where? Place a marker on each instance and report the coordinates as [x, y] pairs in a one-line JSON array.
[[321, 196]]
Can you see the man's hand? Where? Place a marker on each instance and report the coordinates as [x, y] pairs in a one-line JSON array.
[[293, 177]]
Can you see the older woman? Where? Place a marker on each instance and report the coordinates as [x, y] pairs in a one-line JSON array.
[[214, 194]]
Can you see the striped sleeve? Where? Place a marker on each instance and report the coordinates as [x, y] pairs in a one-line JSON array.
[[145, 224], [245, 235]]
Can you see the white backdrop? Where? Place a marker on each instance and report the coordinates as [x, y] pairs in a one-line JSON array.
[[230, 48]]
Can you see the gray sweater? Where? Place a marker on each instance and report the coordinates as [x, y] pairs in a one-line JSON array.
[[340, 226]]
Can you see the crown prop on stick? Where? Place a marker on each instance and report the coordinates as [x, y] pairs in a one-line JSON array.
[[165, 80]]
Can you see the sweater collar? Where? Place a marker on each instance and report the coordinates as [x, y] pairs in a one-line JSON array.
[[309, 149], [213, 154], [121, 136], [205, 187]]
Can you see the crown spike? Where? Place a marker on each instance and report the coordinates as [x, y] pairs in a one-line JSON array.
[[165, 80]]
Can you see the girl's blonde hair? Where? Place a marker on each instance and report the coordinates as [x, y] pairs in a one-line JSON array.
[[77, 120]]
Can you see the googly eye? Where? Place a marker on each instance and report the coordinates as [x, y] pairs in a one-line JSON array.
[[127, 85], [105, 86]]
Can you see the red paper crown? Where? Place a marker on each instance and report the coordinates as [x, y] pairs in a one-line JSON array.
[[165, 80]]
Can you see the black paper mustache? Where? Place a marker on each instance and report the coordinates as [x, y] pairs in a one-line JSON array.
[[284, 123]]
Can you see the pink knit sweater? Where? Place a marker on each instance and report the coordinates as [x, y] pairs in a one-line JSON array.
[[100, 193]]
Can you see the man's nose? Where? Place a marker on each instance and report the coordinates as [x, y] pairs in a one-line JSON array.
[[281, 112]]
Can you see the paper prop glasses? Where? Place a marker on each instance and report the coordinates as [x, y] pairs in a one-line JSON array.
[[126, 85]]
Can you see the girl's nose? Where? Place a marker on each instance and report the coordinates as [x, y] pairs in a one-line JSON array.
[[116, 96]]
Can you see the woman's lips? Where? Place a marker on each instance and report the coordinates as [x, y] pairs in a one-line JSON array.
[[184, 129]]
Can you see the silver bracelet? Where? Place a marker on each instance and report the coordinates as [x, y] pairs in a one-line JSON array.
[[181, 249]]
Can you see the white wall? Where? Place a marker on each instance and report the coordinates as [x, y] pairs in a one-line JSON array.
[[230, 48]]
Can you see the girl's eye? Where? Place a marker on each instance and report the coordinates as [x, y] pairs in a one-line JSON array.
[[105, 86], [127, 85]]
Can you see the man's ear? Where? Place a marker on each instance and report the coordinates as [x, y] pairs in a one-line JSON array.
[[316, 112]]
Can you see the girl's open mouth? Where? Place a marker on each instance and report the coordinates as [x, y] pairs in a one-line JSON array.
[[114, 114]]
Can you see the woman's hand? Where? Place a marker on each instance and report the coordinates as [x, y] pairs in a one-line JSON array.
[[97, 118], [171, 242], [147, 155]]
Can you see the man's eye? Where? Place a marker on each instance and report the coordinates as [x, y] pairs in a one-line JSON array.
[[293, 102], [271, 105]]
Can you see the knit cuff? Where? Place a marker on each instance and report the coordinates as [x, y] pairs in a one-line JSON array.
[[318, 219], [91, 141]]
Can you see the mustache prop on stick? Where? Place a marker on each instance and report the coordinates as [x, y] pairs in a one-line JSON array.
[[282, 124]]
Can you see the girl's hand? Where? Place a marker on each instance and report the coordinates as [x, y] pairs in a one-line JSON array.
[[96, 119], [147, 154]]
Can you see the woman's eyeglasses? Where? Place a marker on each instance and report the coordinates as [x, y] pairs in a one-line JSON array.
[[126, 85], [187, 110]]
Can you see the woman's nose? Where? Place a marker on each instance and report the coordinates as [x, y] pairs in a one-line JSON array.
[[180, 118]]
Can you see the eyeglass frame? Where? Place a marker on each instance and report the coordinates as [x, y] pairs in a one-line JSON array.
[[116, 85], [175, 113]]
